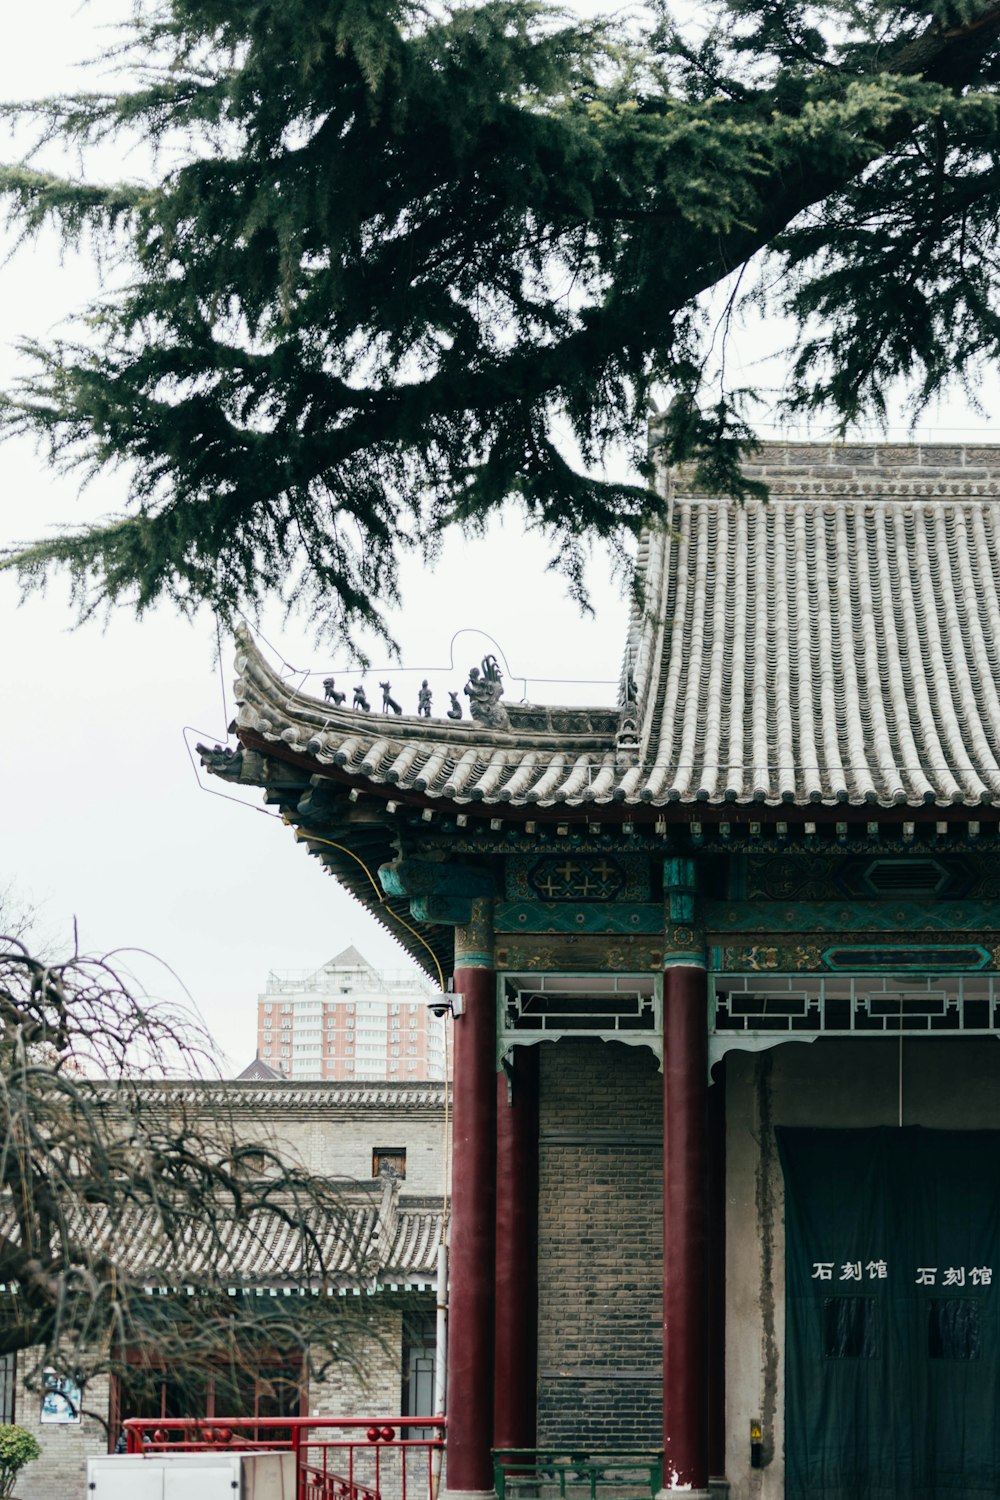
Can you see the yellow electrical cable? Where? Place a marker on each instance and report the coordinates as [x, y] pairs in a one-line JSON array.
[[301, 833]]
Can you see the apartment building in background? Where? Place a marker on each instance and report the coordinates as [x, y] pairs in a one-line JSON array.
[[349, 1021]]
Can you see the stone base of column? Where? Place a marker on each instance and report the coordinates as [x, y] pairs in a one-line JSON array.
[[718, 1489], [468, 1495]]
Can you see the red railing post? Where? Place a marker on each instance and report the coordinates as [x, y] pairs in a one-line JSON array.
[[299, 1436], [299, 1471]]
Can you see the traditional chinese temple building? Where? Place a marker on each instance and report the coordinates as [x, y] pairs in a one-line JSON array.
[[726, 1175]]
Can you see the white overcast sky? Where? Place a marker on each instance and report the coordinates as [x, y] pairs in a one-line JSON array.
[[104, 821]]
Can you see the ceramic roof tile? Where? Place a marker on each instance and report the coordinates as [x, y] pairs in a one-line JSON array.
[[266, 1252], [840, 643]]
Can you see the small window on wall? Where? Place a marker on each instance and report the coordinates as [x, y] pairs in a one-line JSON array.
[[418, 1371], [8, 1370], [392, 1158], [953, 1330], [849, 1328]]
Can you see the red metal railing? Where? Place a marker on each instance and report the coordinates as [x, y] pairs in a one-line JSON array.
[[336, 1458]]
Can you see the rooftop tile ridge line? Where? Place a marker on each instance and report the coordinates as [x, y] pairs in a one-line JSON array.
[[933, 751], [736, 753], [760, 684], [649, 560], [900, 700], [836, 779], [784, 775], [857, 739], [984, 593], [881, 667], [963, 643], [689, 703], [656, 640], [934, 584], [657, 623], [720, 657], [388, 1219], [636, 613]]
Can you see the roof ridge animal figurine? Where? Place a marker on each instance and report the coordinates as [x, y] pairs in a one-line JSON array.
[[484, 691], [330, 692], [389, 703]]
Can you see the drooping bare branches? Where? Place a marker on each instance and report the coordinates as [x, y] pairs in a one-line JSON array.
[[137, 1226]]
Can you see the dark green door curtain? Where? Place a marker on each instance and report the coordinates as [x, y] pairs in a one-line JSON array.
[[892, 1246]]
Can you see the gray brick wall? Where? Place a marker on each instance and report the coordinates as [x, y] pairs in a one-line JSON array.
[[600, 1246], [341, 1144], [879, 471], [368, 1384], [61, 1472]]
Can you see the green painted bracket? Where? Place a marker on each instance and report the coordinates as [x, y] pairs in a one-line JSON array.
[[680, 880], [426, 877], [451, 911]]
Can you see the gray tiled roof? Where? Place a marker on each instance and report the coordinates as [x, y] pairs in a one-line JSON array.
[[364, 1245], [274, 1097], [839, 644], [259, 1071], [818, 652]]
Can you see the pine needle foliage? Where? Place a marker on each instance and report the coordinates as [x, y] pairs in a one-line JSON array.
[[401, 263]]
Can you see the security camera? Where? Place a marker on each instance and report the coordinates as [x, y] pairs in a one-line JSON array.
[[446, 1005]]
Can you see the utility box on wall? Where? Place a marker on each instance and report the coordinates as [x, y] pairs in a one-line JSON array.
[[192, 1476]]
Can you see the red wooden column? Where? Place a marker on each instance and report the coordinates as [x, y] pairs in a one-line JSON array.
[[471, 1298], [685, 1231], [717, 1273], [515, 1394]]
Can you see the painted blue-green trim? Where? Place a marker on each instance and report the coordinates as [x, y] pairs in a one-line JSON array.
[[474, 960], [685, 960], [680, 879], [679, 873], [924, 958], [545, 916], [851, 916], [521, 875]]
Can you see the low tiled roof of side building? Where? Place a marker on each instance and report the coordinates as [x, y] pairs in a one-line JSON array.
[[361, 1246], [269, 1097]]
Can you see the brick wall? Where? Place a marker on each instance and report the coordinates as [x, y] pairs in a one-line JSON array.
[[373, 1388], [371, 1383], [600, 1246], [881, 471], [60, 1473], [341, 1145]]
